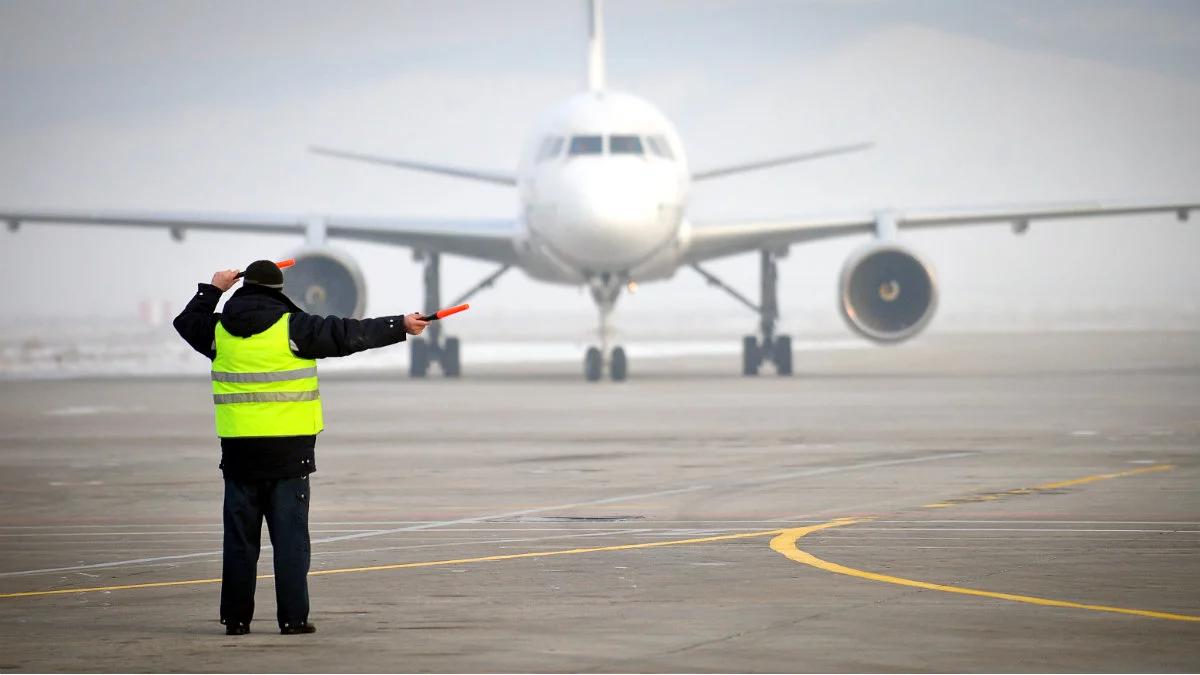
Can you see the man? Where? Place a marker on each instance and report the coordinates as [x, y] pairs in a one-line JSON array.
[[268, 411]]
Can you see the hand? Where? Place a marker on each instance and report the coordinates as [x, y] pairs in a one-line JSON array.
[[414, 324], [225, 279]]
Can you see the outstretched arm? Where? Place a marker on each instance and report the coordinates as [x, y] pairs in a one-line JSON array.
[[318, 337], [198, 321]]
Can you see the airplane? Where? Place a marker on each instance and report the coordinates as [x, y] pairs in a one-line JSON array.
[[603, 184]]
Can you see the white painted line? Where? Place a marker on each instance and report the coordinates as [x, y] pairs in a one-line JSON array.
[[774, 478], [375, 523], [443, 544], [703, 521], [82, 547], [216, 533], [844, 510], [819, 471], [473, 542]]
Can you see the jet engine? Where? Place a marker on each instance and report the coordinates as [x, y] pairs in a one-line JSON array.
[[887, 294], [326, 281]]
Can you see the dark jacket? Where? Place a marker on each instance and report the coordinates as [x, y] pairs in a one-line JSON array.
[[252, 309]]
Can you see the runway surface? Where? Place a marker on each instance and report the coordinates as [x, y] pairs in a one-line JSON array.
[[966, 503]]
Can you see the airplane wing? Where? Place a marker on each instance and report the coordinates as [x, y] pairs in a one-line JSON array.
[[484, 239], [714, 240], [496, 177], [793, 158]]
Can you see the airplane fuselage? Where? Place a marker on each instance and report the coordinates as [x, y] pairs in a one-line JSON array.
[[603, 183]]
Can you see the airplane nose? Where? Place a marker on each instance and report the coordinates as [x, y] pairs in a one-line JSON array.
[[611, 220], [613, 204]]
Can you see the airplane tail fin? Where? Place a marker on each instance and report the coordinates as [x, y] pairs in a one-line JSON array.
[[596, 45]]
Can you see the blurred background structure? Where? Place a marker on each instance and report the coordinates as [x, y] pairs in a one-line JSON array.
[[211, 106]]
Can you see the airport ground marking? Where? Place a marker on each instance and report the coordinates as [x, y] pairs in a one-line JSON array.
[[411, 565], [619, 499], [1046, 487], [123, 587], [786, 544], [780, 535]]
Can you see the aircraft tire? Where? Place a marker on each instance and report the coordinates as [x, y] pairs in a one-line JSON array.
[[451, 365], [750, 356], [593, 364], [619, 367], [418, 358], [783, 354]]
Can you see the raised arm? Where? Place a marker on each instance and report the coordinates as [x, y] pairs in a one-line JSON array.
[[318, 337], [198, 321]]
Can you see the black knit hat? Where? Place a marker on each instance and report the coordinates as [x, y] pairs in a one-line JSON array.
[[264, 272]]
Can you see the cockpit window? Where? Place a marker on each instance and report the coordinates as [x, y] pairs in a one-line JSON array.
[[586, 145], [659, 146], [550, 148], [625, 145]]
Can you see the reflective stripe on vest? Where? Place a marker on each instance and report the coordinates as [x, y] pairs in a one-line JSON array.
[[268, 397], [260, 388], [280, 376]]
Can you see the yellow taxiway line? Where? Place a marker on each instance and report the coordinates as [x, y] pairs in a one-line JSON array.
[[785, 544]]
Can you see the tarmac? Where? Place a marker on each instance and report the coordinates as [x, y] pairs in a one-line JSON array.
[[965, 503]]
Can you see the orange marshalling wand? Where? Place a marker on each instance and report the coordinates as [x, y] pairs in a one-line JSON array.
[[443, 313], [282, 264]]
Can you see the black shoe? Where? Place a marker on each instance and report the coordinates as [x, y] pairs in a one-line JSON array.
[[298, 629], [237, 629]]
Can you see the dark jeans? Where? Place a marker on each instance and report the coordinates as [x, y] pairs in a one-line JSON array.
[[284, 504]]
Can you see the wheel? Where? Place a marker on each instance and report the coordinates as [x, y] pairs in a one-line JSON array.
[[783, 354], [750, 356], [451, 365], [619, 367], [418, 358], [593, 364]]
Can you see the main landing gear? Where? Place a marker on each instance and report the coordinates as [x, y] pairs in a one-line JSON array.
[[431, 347], [766, 346], [605, 289]]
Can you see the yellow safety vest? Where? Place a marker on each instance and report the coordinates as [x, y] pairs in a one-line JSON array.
[[260, 388]]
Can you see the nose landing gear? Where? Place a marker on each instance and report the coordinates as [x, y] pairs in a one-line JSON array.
[[605, 289], [594, 364]]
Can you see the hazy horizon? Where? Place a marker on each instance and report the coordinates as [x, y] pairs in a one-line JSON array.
[[188, 106]]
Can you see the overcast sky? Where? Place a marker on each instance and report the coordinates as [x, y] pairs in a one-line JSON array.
[[210, 106]]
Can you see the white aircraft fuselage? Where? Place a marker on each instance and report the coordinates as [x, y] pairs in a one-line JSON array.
[[603, 183]]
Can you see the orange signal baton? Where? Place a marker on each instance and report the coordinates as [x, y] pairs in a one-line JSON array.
[[443, 313], [282, 264]]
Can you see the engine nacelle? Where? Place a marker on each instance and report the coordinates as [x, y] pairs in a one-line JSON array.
[[327, 282], [887, 294]]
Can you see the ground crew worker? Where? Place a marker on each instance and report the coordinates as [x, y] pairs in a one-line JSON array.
[[268, 412]]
